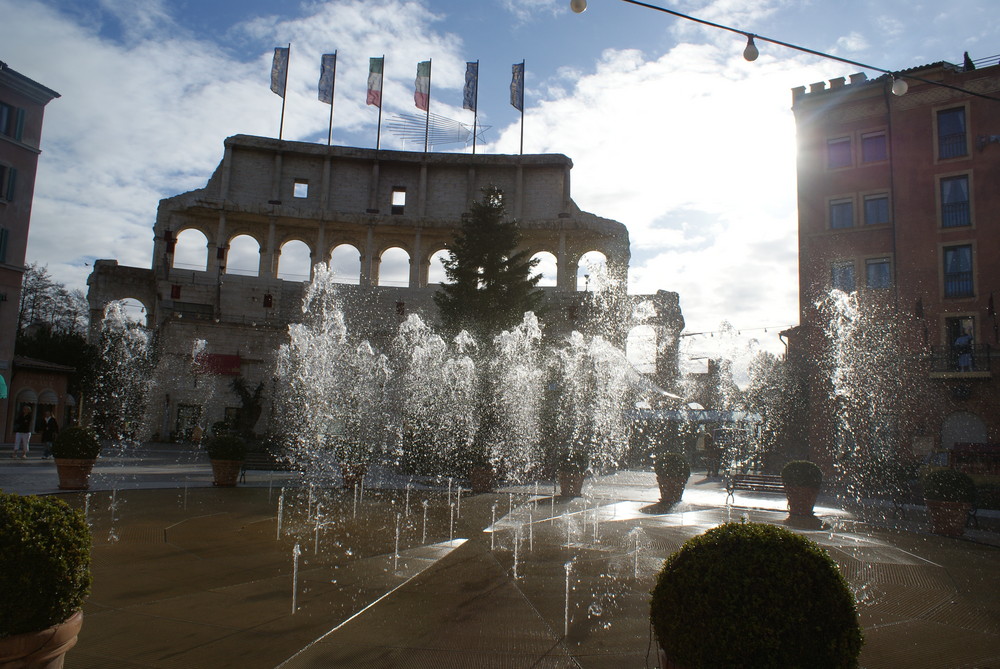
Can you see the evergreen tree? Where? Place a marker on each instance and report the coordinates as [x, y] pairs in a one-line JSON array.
[[490, 281]]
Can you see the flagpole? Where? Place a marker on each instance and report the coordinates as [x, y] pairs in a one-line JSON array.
[[333, 87], [427, 121], [475, 113], [381, 101], [523, 77], [281, 123]]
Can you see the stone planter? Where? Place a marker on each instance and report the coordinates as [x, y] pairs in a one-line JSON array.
[[41, 650], [948, 518], [481, 479], [671, 488], [801, 500], [570, 483], [226, 472], [353, 474], [74, 473]]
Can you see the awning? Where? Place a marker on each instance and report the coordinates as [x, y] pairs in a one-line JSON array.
[[3, 388], [70, 400], [27, 395], [48, 397]]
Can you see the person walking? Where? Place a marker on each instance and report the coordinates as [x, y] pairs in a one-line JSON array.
[[22, 432], [50, 428]]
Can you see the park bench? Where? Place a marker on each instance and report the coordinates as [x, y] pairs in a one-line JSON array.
[[264, 461], [754, 483]]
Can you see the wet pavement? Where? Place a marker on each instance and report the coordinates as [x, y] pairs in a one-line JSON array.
[[187, 575]]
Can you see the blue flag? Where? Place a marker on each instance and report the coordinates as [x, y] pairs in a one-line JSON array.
[[470, 93], [517, 86], [327, 71], [279, 70]]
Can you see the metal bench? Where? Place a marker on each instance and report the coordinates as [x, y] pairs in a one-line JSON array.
[[263, 461], [771, 483]]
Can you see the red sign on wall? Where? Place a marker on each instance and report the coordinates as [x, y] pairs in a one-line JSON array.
[[216, 363]]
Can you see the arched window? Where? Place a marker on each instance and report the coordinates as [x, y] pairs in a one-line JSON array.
[[345, 263], [592, 271], [436, 273], [191, 251], [295, 261], [243, 257], [547, 266], [640, 348], [394, 270]]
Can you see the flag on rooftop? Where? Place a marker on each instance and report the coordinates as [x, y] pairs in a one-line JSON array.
[[375, 81], [279, 70], [327, 71], [517, 86], [471, 91], [422, 85]]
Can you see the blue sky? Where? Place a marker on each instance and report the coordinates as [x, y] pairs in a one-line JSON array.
[[670, 130]]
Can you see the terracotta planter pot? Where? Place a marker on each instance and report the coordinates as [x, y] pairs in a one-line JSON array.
[[948, 518], [353, 474], [226, 472], [481, 479], [74, 473], [801, 500], [671, 488], [41, 650], [570, 483]]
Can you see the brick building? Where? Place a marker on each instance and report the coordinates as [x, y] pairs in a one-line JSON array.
[[273, 193], [899, 205], [22, 106]]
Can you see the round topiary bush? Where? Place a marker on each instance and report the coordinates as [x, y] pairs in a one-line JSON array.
[[76, 443], [802, 474], [948, 485], [44, 563], [672, 465], [754, 595], [226, 447]]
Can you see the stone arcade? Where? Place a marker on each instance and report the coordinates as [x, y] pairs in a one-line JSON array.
[[277, 191]]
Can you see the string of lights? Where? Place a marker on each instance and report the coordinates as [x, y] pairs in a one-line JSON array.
[[899, 85]]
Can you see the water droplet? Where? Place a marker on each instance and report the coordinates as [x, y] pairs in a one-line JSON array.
[[595, 610]]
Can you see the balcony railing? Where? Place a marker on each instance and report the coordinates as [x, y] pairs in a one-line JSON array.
[[952, 146], [958, 284], [955, 214], [950, 359]]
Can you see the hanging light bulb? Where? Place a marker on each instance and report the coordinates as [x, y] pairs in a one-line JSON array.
[[899, 86], [751, 52], [578, 6]]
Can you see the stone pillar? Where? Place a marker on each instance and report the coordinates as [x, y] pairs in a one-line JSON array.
[[217, 252], [564, 279], [268, 254], [367, 259], [415, 253], [319, 253]]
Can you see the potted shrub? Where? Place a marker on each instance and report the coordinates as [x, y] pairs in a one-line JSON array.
[[75, 450], [44, 579], [754, 595], [672, 472], [573, 465], [802, 481], [227, 452], [948, 495]]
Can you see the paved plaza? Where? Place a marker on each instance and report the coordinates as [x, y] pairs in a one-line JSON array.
[[187, 575]]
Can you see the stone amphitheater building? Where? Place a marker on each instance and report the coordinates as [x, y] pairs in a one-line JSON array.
[[271, 193]]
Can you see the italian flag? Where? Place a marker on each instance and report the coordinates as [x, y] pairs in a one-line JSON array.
[[375, 81], [422, 92]]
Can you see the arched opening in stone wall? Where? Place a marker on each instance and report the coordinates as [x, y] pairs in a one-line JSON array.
[[295, 261], [548, 267], [640, 348], [243, 257], [436, 273], [394, 270], [592, 271], [191, 250], [345, 263]]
